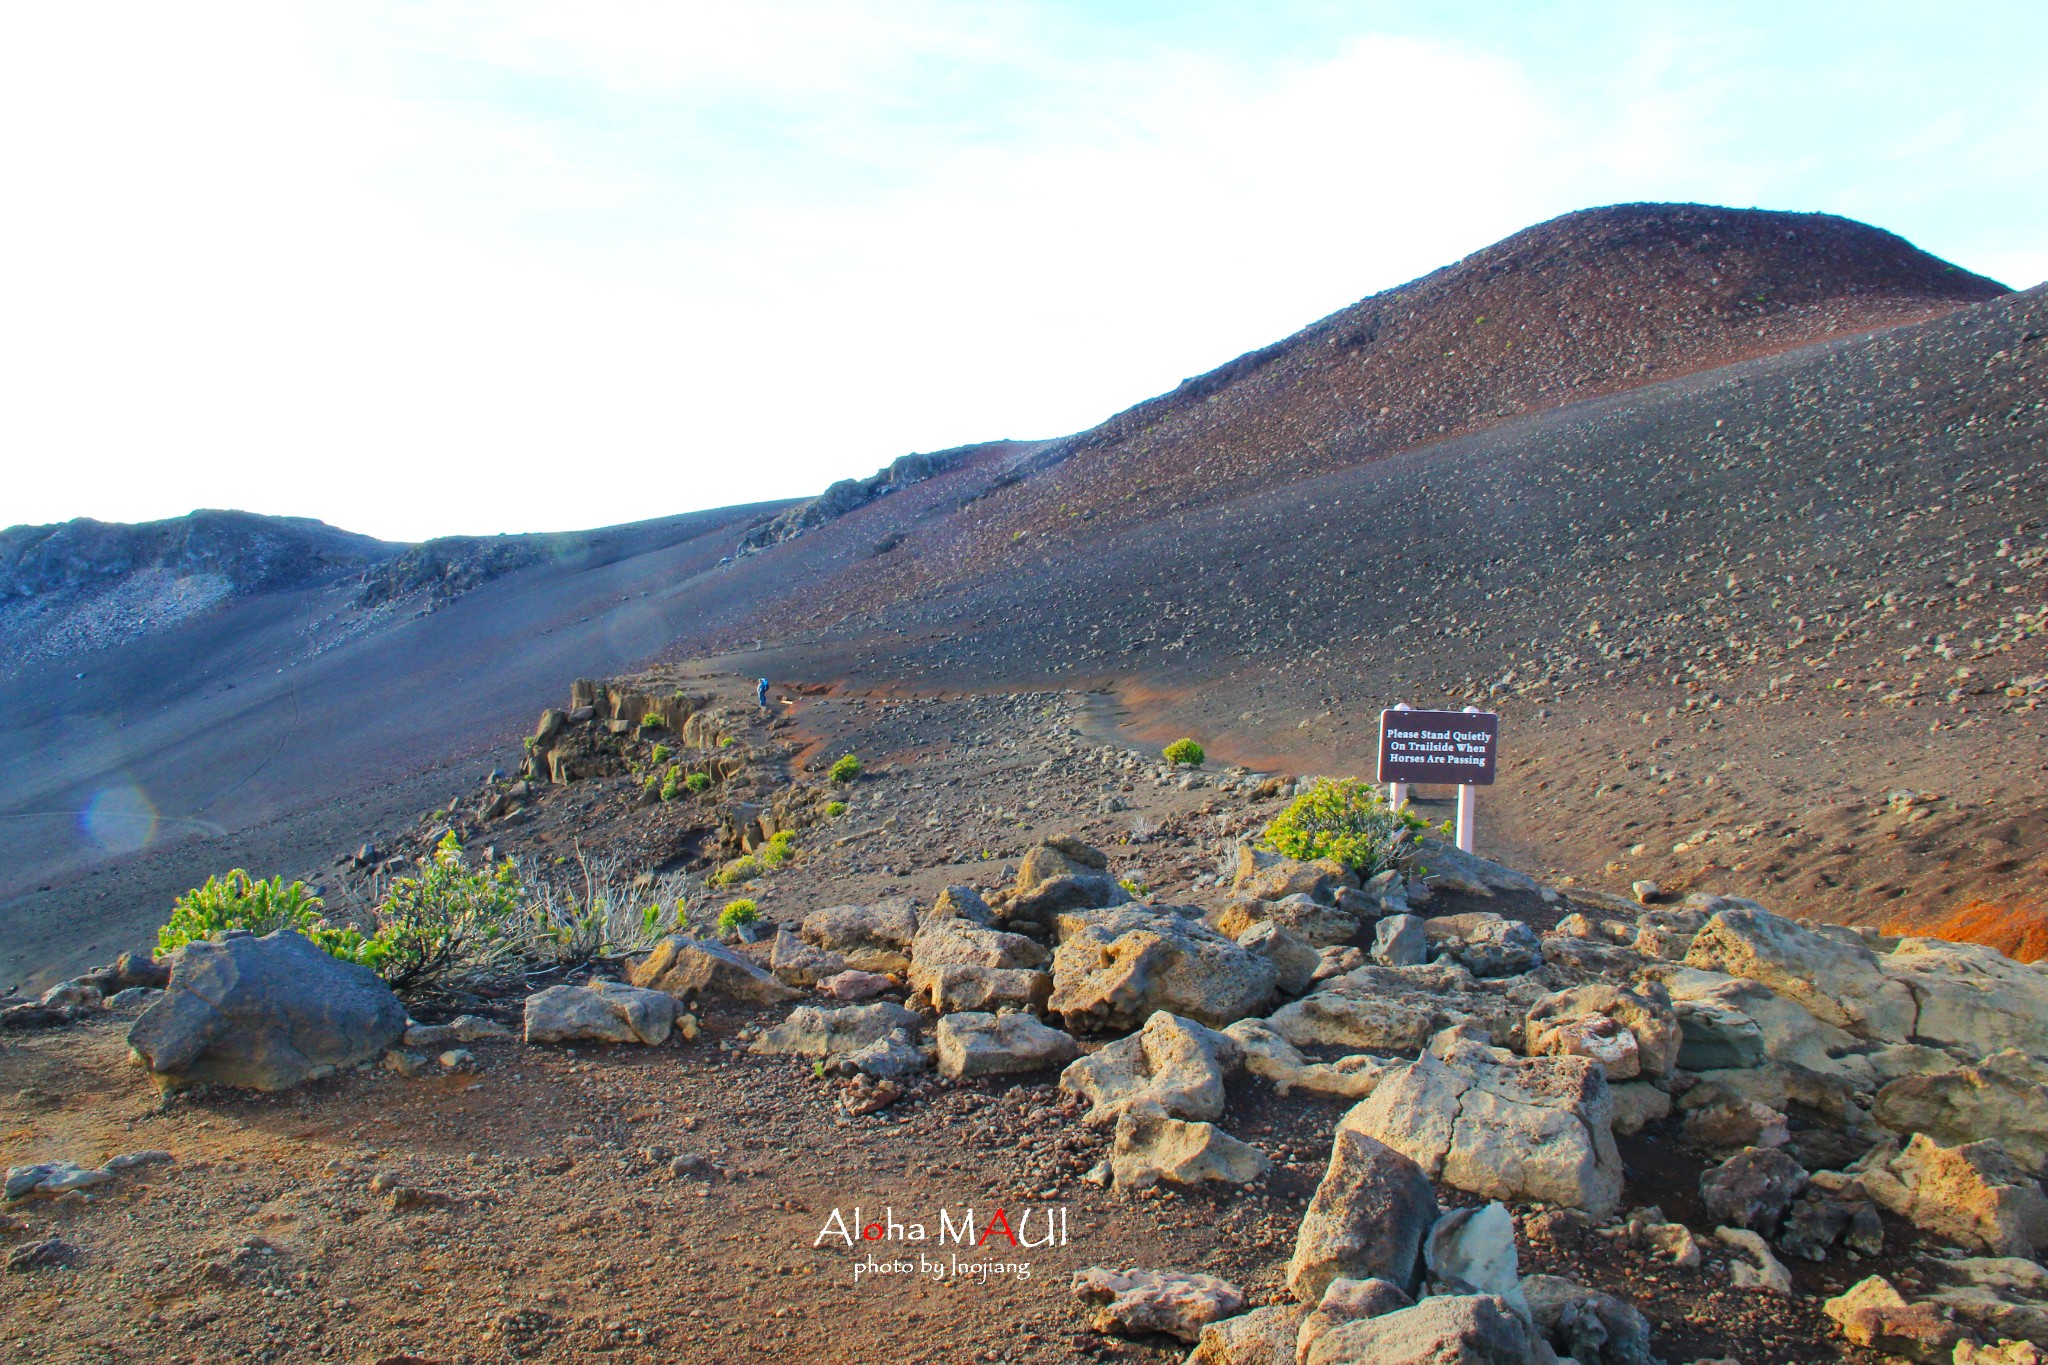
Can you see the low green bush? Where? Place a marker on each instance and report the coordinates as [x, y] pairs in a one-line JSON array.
[[1185, 752], [834, 809], [238, 901], [449, 926], [845, 770], [737, 913], [778, 850], [743, 869], [652, 721], [1346, 820], [660, 754], [697, 782], [670, 785]]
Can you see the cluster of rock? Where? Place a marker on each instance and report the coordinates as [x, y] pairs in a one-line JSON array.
[[583, 741], [131, 982]]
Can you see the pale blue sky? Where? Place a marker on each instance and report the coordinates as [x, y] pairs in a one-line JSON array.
[[429, 268]]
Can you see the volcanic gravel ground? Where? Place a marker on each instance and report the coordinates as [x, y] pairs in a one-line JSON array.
[[524, 1207]]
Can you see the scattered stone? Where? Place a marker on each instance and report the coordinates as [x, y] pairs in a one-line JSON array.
[[1753, 1188], [1123, 965], [853, 985], [1500, 1126], [686, 967], [134, 997], [455, 1059], [1268, 876], [465, 1028], [812, 1031], [1586, 1325], [51, 1251], [1762, 1271], [1150, 1146], [1631, 1033], [1366, 1221], [797, 963], [1472, 1251], [1174, 1063], [1292, 957], [1837, 982], [1263, 1336], [1973, 1195], [51, 1178], [874, 938], [1134, 1302], [693, 1167], [1500, 947], [599, 1012], [977, 1044], [2004, 1097], [1268, 1055], [1345, 1300], [1645, 891], [264, 1014], [1730, 1125], [1465, 1329], [1399, 941], [1637, 1104], [1875, 1316], [952, 989]]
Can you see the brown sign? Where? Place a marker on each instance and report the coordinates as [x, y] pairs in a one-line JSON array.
[[1454, 748]]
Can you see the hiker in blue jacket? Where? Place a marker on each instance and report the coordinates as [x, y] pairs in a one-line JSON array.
[[761, 693]]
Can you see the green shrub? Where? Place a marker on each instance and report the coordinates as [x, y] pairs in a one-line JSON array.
[[726, 742], [834, 809], [845, 770], [697, 782], [651, 721], [743, 869], [670, 785], [778, 849], [238, 901], [448, 926], [737, 913], [1185, 752], [660, 754], [1346, 820], [1133, 887], [653, 918]]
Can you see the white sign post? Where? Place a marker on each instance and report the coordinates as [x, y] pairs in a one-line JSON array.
[[1397, 792], [1453, 747]]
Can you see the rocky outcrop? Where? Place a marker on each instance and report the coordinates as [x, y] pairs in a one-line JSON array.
[[264, 1014], [1122, 965], [878, 1038], [1631, 1033], [1970, 997], [1483, 1120], [1268, 1055], [1399, 1009]]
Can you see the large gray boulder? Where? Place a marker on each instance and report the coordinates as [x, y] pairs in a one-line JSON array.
[[1061, 874], [1367, 1220], [1973, 1196], [1586, 1325], [1631, 1033], [1121, 966], [1268, 876], [264, 1014], [686, 967], [599, 1012], [1451, 1329], [1838, 982], [1485, 1121]]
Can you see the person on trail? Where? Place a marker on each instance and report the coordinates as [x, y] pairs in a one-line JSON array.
[[761, 694]]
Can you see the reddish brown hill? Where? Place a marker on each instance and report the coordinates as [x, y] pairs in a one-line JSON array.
[[1587, 304]]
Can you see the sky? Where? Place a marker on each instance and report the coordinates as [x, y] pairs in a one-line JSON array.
[[432, 268]]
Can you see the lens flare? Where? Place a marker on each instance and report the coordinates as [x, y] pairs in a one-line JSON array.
[[120, 820]]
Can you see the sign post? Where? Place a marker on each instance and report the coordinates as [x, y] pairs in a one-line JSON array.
[[1454, 748], [1397, 792]]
